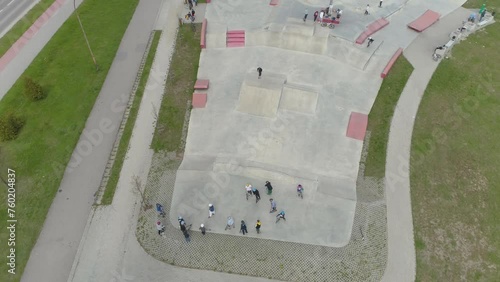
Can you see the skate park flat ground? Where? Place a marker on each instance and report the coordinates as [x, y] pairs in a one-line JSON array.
[[288, 127]]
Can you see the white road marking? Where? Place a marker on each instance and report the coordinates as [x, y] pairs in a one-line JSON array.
[[10, 2]]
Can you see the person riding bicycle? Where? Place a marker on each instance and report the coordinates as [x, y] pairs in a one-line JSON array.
[[300, 190]]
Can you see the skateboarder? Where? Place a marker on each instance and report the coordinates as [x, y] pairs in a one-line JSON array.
[[380, 3], [370, 41], [259, 70], [305, 15], [203, 229], [367, 10]]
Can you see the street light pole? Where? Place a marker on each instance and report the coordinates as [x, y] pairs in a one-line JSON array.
[[85, 36]]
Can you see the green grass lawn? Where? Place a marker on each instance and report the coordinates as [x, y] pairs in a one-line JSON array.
[[23, 25], [455, 163], [107, 197], [380, 117], [53, 126], [178, 90]]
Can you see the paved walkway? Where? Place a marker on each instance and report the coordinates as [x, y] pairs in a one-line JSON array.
[[52, 257], [401, 265]]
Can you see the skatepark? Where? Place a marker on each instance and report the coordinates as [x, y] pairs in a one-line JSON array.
[[302, 122]]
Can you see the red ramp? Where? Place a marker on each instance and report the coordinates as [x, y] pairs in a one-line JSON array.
[[357, 126], [424, 21]]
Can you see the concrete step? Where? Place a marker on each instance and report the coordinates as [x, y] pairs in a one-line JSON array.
[[235, 40], [235, 44]]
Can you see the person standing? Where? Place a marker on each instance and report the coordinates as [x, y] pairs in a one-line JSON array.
[[273, 205], [230, 223], [257, 194], [259, 70], [380, 3], [339, 14], [159, 209], [321, 15], [269, 188], [331, 9], [316, 16], [203, 229], [305, 15], [367, 10], [211, 210], [243, 227], [160, 227], [483, 13], [248, 187], [257, 226]]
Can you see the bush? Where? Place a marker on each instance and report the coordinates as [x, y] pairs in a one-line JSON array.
[[33, 89], [10, 126]]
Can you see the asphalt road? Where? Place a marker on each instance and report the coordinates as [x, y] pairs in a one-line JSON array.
[[11, 11]]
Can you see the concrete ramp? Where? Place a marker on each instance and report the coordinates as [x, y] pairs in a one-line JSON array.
[[261, 97], [348, 53], [299, 98], [296, 26]]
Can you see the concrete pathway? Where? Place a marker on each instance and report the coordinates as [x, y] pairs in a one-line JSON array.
[[52, 257], [401, 264]]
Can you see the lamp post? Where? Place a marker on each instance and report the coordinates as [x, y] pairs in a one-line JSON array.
[[85, 36]]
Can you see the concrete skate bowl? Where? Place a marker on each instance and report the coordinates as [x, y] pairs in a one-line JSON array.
[[302, 38], [223, 180]]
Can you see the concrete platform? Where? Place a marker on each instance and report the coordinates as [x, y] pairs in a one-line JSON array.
[[261, 97], [287, 127]]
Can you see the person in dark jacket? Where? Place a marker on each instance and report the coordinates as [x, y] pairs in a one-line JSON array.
[[243, 227], [269, 188]]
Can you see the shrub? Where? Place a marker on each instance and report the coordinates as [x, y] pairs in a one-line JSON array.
[[33, 89], [10, 126]]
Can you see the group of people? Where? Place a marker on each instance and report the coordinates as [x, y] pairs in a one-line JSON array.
[[250, 191], [325, 13]]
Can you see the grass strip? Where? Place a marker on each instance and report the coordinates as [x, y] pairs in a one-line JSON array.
[[380, 117], [454, 165], [109, 192], [23, 25], [53, 125], [178, 90]]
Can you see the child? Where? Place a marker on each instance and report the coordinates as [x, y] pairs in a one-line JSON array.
[[257, 226]]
